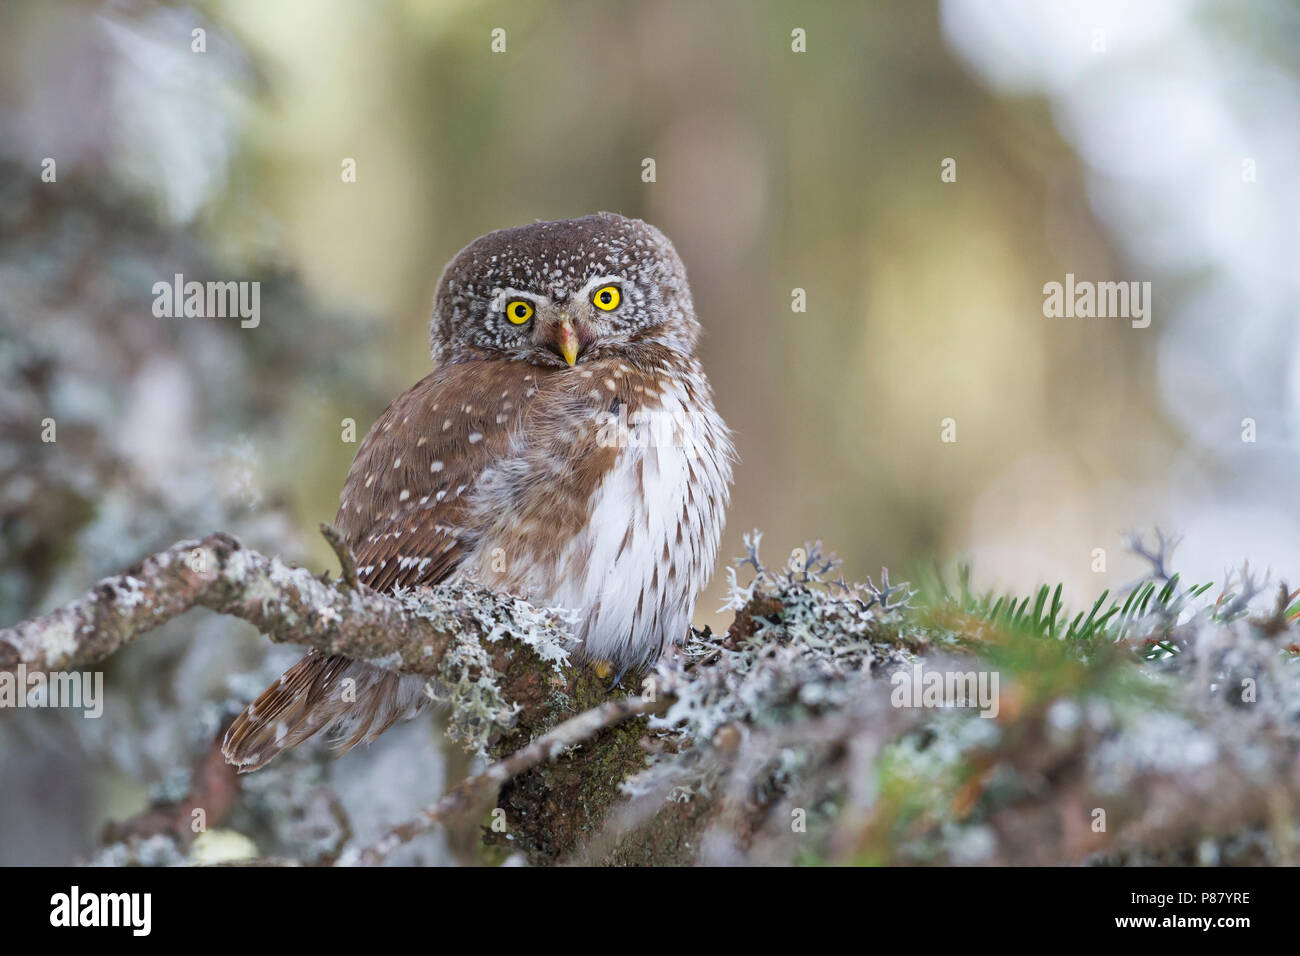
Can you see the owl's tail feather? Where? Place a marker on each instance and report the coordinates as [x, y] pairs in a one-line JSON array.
[[356, 701]]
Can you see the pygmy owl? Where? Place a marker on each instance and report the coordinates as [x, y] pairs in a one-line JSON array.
[[566, 450]]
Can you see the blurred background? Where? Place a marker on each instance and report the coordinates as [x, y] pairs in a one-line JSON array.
[[1153, 142]]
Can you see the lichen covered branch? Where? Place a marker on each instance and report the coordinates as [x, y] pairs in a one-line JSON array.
[[471, 791], [1160, 728], [412, 632]]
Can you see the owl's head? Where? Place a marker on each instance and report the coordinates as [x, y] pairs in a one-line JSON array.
[[558, 293]]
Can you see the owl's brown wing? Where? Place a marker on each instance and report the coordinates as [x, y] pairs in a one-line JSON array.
[[403, 511]]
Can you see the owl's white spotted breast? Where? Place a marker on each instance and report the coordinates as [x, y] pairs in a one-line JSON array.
[[656, 520], [649, 527]]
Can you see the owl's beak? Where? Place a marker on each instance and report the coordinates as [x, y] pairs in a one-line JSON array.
[[566, 340]]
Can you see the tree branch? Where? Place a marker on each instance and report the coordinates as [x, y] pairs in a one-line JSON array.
[[469, 792], [410, 634], [504, 657]]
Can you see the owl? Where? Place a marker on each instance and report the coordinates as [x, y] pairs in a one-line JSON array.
[[565, 450]]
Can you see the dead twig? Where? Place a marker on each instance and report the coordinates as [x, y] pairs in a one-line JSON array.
[[347, 563]]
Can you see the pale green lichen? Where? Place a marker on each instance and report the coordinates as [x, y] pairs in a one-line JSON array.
[[237, 568], [131, 592], [467, 680], [60, 642], [466, 676], [160, 850], [545, 630], [813, 638], [1176, 693]]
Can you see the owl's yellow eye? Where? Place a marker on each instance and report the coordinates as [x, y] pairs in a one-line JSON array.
[[518, 311], [607, 298]]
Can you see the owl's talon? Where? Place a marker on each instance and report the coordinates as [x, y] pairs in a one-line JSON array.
[[604, 668]]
